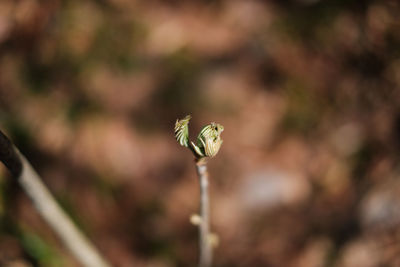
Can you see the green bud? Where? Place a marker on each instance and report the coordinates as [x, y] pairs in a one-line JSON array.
[[209, 139]]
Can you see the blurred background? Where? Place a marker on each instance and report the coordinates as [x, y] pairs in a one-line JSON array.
[[308, 93]]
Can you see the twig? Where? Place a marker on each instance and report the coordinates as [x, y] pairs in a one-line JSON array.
[[205, 257], [47, 207], [207, 146]]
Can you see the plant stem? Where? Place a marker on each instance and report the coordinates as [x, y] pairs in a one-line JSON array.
[[47, 206], [205, 257]]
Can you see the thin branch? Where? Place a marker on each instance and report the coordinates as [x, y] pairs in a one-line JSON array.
[[205, 257], [47, 207], [9, 156], [208, 144]]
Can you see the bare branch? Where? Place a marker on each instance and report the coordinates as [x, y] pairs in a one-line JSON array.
[[205, 257], [47, 207]]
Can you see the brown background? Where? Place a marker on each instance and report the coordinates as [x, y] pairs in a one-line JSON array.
[[308, 92]]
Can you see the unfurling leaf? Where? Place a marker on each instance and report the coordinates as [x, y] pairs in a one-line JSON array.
[[182, 131], [209, 139]]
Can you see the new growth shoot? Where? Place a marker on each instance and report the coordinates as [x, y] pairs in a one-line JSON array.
[[207, 145]]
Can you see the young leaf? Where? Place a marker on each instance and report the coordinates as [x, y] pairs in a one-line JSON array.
[[182, 131], [209, 139]]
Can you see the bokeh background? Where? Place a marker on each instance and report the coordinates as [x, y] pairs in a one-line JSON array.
[[308, 92]]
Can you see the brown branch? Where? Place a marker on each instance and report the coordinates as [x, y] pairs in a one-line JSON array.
[[205, 257], [9, 157], [47, 207]]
